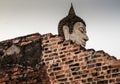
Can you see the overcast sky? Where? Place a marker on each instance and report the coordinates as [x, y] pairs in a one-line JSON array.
[[22, 17]]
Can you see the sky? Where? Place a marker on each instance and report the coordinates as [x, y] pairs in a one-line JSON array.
[[102, 17]]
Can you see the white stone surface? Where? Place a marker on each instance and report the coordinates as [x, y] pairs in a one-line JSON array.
[[78, 35], [12, 50]]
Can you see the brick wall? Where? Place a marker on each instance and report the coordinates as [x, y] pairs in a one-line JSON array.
[[68, 63], [49, 59], [20, 61]]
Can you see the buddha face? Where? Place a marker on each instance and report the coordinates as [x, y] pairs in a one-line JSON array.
[[78, 35]]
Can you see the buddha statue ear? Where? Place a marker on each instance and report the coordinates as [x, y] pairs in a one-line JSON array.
[[66, 32]]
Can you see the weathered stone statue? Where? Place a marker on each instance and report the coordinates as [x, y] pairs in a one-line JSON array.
[[73, 28]]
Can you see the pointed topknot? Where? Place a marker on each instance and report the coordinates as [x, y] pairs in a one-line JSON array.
[[71, 11]]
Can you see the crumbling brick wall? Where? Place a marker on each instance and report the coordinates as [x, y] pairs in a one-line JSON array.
[[68, 63], [20, 61], [49, 59]]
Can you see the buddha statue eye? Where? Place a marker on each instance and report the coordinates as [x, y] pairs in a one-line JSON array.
[[81, 29]]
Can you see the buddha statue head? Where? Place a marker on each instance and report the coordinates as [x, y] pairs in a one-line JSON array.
[[73, 28]]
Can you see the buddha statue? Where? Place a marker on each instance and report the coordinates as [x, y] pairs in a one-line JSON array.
[[73, 28]]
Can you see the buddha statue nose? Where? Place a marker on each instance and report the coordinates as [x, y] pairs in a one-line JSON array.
[[86, 38]]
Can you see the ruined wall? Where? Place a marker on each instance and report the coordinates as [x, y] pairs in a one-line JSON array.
[[68, 63], [20, 61], [48, 59]]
